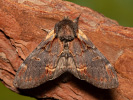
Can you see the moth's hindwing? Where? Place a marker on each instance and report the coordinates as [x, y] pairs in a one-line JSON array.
[[40, 65], [91, 64]]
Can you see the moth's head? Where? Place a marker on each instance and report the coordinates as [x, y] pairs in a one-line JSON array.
[[66, 29]]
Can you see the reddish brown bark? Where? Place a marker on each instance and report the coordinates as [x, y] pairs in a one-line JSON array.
[[21, 22]]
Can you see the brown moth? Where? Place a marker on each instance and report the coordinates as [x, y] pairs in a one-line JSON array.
[[66, 49]]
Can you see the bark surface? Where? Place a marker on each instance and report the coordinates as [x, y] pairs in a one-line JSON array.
[[21, 24]]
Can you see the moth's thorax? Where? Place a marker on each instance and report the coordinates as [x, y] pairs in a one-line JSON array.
[[66, 53], [65, 30], [66, 45], [66, 33]]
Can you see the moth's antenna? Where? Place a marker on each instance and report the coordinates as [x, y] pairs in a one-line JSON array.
[[77, 19], [76, 25], [66, 17]]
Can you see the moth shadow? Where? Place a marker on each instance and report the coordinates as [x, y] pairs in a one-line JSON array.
[[97, 93], [44, 89]]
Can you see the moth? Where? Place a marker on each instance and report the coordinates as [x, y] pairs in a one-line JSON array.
[[66, 49]]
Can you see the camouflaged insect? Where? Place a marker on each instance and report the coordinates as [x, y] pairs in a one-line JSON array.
[[66, 49]]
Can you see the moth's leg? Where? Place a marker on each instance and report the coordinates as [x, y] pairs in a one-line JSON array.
[[46, 30]]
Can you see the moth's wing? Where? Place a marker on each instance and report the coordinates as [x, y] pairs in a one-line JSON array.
[[91, 64], [40, 65]]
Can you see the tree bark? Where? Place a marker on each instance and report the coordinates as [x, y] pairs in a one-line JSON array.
[[21, 24]]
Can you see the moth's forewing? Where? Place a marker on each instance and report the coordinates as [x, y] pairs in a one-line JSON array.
[[91, 64], [40, 65]]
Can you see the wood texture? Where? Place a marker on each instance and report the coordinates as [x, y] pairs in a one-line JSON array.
[[21, 24]]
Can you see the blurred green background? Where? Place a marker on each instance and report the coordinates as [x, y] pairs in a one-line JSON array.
[[119, 10]]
